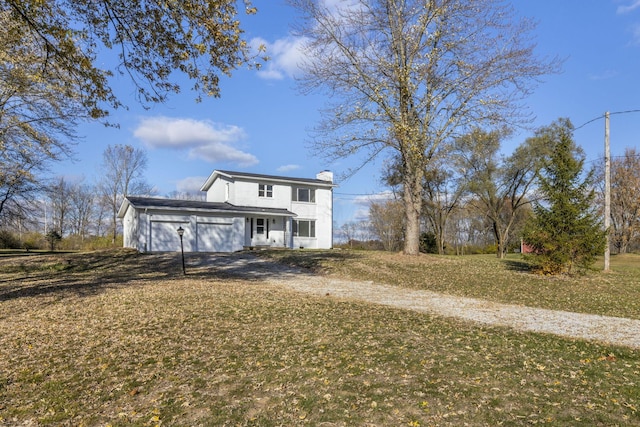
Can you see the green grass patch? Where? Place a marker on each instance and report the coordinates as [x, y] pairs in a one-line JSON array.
[[132, 342]]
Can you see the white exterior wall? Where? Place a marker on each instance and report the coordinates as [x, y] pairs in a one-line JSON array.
[[217, 191], [324, 222], [130, 229], [278, 229], [321, 213], [245, 193]]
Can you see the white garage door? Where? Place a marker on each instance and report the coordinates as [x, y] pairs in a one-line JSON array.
[[215, 237], [165, 238]]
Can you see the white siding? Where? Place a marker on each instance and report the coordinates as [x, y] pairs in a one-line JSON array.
[[130, 229], [218, 234], [217, 191], [165, 238], [245, 193], [154, 229], [321, 213]]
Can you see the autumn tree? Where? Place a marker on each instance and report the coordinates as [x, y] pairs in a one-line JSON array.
[[501, 187], [443, 192], [565, 231], [39, 106], [625, 199], [202, 39], [123, 170], [51, 76], [81, 209], [407, 75]]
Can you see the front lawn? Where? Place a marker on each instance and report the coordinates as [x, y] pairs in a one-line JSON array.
[[120, 339]]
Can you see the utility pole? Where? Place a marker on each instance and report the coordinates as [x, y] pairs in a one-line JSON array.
[[607, 191]]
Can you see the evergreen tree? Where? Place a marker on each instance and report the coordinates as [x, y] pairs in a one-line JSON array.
[[565, 231]]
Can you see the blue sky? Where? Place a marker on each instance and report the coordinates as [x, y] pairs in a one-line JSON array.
[[262, 123]]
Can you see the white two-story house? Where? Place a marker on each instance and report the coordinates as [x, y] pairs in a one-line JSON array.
[[242, 210]]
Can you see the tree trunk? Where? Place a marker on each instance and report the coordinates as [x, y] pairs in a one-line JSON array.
[[412, 195], [499, 240], [114, 221]]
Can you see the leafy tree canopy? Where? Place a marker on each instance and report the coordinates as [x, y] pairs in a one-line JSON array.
[[200, 38]]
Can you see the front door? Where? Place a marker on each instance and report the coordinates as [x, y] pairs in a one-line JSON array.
[[259, 231]]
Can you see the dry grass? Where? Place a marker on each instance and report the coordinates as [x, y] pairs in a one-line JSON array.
[[616, 293], [116, 338]]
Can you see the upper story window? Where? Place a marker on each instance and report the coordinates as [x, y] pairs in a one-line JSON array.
[[304, 195], [265, 190]]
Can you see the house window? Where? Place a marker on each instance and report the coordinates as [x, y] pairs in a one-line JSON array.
[[304, 195], [304, 228], [265, 190]]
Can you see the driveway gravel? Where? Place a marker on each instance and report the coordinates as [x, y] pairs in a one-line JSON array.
[[604, 329]]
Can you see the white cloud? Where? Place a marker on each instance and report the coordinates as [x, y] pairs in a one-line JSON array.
[[628, 8], [204, 139], [190, 184], [216, 152], [288, 168], [285, 56], [363, 204]]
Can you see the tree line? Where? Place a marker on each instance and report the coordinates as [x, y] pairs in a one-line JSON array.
[[431, 86], [477, 200], [84, 213]]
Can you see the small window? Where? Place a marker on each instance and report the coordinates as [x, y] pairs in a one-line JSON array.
[[265, 190], [304, 228], [307, 195], [260, 226]]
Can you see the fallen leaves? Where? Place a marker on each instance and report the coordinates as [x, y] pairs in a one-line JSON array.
[[213, 351]]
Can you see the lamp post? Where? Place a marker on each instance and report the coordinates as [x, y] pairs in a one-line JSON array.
[[180, 231]]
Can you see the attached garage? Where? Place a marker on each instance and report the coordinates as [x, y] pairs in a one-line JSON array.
[[164, 236], [151, 224], [215, 237]]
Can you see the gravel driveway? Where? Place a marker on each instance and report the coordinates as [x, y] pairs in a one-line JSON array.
[[604, 329]]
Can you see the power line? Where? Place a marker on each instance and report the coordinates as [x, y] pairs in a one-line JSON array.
[[602, 117]]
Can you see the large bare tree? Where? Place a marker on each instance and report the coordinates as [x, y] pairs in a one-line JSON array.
[[387, 223], [625, 198], [82, 199], [123, 170], [59, 195], [407, 75]]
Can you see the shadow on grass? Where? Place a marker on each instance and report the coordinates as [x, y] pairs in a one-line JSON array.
[[314, 261], [82, 274], [518, 265], [85, 274]]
